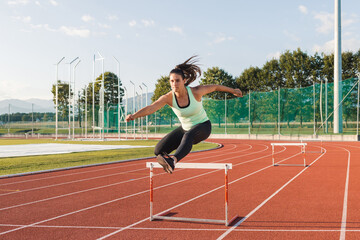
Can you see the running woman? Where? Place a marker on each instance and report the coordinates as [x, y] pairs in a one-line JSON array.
[[186, 103]]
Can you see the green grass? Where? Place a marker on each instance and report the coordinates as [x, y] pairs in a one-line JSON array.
[[37, 163]]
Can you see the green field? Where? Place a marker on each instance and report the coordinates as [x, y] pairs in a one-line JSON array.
[[45, 162]]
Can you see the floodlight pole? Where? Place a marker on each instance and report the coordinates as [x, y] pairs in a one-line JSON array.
[[357, 111], [69, 101], [102, 98], [326, 104], [74, 77], [86, 92], [225, 113], [279, 102], [102, 132], [337, 69], [141, 105], [146, 103], [93, 98], [126, 110], [134, 98], [314, 106], [56, 98], [32, 119], [118, 75], [137, 102], [249, 112]]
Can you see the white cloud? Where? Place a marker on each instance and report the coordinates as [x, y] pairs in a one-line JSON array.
[[219, 38], [148, 23], [72, 31], [38, 3], [53, 2], [87, 18], [26, 19], [18, 2], [112, 17], [176, 29], [351, 44], [43, 26], [303, 9], [132, 23], [118, 36], [326, 22]]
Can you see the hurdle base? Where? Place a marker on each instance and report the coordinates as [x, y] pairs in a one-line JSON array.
[[298, 165], [201, 220]]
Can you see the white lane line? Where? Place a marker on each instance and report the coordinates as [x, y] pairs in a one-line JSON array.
[[83, 172], [91, 189], [344, 214], [266, 200], [86, 190], [69, 174], [184, 229], [75, 181], [192, 199], [108, 202]]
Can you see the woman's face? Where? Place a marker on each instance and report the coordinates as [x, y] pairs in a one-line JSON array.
[[176, 82]]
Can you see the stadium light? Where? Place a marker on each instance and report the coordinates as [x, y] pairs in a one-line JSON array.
[[101, 94], [146, 103], [74, 77], [338, 128], [118, 75], [56, 97], [134, 104], [70, 96], [141, 105], [126, 110]]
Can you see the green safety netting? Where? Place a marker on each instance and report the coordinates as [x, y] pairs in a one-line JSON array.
[[299, 111]]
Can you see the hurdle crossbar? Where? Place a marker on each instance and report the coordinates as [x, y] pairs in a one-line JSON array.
[[225, 166], [303, 151], [314, 141]]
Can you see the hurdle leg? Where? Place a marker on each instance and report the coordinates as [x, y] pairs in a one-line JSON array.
[[151, 192], [304, 154], [226, 196]]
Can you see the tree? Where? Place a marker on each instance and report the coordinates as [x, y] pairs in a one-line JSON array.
[[217, 75], [63, 97], [251, 79], [110, 90], [162, 87], [296, 68], [272, 74]]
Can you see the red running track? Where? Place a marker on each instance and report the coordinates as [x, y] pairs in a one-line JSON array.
[[112, 201]]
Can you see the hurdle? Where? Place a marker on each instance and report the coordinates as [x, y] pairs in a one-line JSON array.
[[225, 166], [314, 141], [302, 149]]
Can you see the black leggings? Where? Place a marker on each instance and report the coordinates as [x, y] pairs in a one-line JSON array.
[[182, 140]]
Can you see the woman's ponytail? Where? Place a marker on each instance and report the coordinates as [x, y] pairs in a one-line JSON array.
[[189, 70]]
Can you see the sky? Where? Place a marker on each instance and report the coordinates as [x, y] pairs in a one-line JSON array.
[[150, 37]]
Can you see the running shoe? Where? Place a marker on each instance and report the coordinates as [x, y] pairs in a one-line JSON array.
[[166, 162]]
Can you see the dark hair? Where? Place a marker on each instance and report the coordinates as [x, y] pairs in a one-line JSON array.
[[189, 70]]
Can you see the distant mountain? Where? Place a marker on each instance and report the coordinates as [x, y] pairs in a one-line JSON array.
[[25, 106], [40, 105]]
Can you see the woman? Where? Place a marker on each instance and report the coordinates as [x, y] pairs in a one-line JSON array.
[[186, 103]]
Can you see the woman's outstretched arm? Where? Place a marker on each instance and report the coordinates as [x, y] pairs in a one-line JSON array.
[[202, 90], [161, 102]]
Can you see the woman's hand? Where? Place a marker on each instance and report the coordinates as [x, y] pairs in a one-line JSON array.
[[129, 118], [237, 92]]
